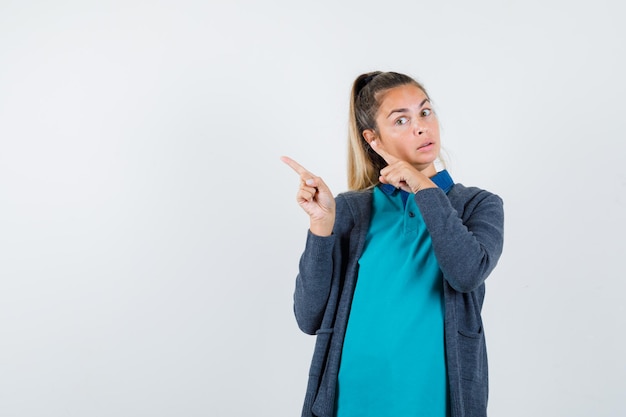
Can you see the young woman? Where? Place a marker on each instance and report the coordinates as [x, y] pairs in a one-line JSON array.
[[392, 275]]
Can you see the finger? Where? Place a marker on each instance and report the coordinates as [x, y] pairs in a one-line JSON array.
[[308, 178], [296, 167], [310, 190], [391, 175], [390, 159], [305, 196]]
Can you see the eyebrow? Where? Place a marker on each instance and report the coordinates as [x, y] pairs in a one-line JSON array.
[[406, 110]]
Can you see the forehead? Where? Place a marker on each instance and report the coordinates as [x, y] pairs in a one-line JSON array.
[[404, 96]]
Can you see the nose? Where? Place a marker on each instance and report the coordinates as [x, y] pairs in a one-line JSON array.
[[418, 128]]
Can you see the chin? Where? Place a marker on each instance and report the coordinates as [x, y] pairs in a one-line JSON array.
[[426, 161]]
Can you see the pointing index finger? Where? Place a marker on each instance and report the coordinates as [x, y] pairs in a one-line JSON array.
[[295, 166], [380, 151]]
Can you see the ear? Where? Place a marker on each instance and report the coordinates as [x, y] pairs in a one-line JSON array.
[[369, 135]]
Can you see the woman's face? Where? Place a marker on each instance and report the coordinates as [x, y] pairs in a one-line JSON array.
[[407, 127]]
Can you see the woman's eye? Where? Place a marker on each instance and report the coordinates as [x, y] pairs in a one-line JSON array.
[[426, 112], [402, 121]]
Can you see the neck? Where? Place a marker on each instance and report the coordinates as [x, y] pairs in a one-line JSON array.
[[428, 170]]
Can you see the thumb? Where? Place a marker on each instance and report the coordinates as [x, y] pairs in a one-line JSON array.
[[318, 183]]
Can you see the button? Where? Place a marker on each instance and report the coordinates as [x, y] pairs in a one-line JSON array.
[[411, 214]]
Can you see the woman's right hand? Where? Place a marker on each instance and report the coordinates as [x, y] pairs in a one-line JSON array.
[[315, 198]]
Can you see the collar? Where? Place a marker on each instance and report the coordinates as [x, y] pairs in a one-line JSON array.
[[442, 179]]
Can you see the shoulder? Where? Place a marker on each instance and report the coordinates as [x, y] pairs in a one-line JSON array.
[[354, 204], [462, 193], [467, 199], [355, 197]]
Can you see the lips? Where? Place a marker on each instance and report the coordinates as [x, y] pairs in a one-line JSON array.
[[424, 145]]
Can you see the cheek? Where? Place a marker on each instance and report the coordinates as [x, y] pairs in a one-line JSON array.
[[435, 127]]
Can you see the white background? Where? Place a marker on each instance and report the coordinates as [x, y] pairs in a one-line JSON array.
[[149, 235]]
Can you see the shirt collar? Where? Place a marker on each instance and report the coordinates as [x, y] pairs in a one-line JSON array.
[[442, 179]]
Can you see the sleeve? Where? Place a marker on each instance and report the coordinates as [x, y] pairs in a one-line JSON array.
[[313, 282], [319, 266], [467, 245]]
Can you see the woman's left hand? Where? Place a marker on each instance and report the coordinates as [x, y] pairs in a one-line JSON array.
[[401, 174]]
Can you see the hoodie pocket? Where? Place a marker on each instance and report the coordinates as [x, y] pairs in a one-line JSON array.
[[471, 347]]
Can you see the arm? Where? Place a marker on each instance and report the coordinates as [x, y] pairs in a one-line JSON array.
[[313, 282], [322, 271], [467, 245]]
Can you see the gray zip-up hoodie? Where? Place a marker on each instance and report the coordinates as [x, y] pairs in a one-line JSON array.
[[466, 229]]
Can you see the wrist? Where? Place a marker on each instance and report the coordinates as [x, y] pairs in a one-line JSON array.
[[321, 228], [422, 185]]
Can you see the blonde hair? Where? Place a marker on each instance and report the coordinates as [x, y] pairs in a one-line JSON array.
[[364, 164]]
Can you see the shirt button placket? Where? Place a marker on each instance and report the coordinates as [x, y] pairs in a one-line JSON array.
[[410, 224]]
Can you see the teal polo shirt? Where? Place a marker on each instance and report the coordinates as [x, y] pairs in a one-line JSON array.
[[393, 358]]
